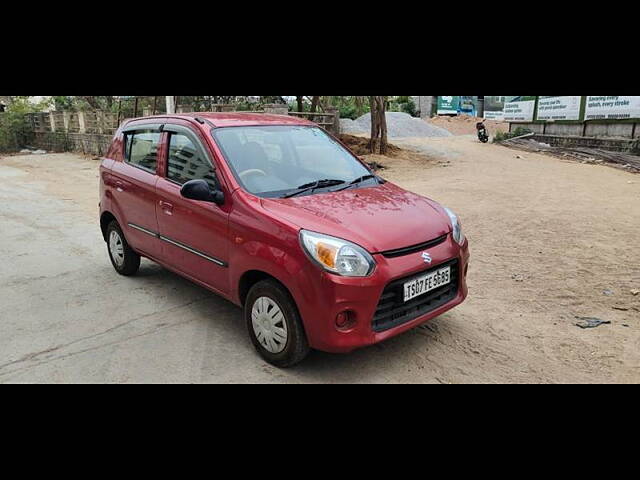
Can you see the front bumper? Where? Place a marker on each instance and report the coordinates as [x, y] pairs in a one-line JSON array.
[[327, 295]]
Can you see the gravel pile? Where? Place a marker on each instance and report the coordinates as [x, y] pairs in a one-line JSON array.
[[399, 125]]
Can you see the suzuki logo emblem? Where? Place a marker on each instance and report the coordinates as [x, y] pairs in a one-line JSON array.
[[426, 257]]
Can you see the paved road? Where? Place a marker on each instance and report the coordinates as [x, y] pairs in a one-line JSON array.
[[66, 316]]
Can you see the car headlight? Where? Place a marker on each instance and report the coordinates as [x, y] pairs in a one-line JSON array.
[[458, 236], [336, 255]]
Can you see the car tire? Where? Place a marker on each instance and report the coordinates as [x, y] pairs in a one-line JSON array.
[[123, 258], [274, 324]]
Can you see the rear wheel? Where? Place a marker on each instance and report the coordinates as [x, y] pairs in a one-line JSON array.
[[274, 324], [123, 258]]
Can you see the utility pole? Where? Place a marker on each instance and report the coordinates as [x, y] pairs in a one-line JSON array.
[[171, 107]]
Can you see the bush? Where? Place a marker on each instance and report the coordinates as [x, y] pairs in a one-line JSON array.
[[501, 136], [349, 111], [14, 132], [403, 104], [409, 107]]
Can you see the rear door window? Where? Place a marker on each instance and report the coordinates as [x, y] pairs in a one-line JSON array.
[[141, 149]]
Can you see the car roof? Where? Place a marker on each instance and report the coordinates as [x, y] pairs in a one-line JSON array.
[[235, 119]]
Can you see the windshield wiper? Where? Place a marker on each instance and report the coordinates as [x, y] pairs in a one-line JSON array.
[[311, 186], [356, 181]]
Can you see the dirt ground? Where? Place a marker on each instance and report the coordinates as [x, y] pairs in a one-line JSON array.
[[466, 125], [550, 240], [360, 145]]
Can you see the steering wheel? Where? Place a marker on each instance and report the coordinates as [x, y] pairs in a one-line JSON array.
[[252, 171]]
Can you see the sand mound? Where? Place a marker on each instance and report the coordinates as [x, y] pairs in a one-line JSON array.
[[466, 124]]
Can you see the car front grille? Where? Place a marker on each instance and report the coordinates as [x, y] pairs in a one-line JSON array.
[[392, 310], [398, 252]]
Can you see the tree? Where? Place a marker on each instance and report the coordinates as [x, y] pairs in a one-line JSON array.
[[15, 133], [97, 103], [359, 105], [314, 104], [378, 141]]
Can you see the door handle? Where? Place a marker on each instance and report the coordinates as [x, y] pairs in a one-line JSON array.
[[166, 207], [119, 186]]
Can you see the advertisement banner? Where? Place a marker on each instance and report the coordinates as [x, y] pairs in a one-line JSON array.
[[558, 108], [494, 107], [467, 106], [494, 115], [519, 111], [448, 105], [612, 108]]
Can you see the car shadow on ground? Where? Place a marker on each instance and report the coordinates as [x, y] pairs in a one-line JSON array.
[[384, 362], [376, 363]]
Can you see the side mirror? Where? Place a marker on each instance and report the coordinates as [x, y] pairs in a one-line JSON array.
[[202, 191]]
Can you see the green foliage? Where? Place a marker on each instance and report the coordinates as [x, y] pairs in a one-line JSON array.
[[64, 103], [351, 111], [403, 104], [501, 136], [349, 106], [26, 105], [15, 133], [410, 108]]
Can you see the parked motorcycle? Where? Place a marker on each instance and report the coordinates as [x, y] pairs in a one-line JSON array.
[[483, 136]]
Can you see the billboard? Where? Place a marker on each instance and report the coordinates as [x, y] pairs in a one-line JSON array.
[[520, 109], [558, 108], [467, 106], [448, 105], [612, 108], [494, 107]]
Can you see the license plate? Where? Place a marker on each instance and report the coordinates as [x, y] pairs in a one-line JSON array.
[[425, 283]]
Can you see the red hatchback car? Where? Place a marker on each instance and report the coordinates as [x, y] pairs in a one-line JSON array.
[[277, 216]]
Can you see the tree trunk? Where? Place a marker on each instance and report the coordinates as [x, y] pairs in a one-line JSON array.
[[359, 102], [378, 142], [300, 104], [373, 141], [314, 104], [383, 125]]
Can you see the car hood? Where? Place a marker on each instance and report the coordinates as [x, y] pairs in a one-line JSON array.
[[379, 218]]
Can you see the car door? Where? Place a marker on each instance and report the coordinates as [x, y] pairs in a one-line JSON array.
[[134, 187], [194, 234]]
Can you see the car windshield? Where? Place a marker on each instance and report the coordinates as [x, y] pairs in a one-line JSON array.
[[279, 161]]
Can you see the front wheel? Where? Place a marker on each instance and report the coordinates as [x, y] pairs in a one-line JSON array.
[[274, 324]]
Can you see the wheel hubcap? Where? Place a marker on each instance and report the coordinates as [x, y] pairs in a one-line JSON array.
[[116, 248], [269, 325]]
